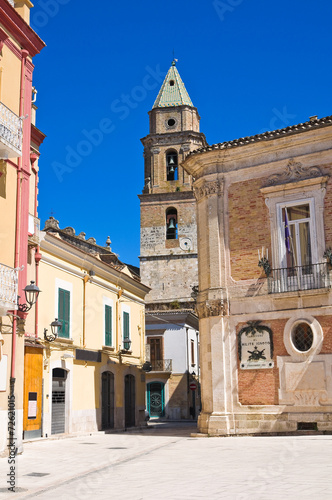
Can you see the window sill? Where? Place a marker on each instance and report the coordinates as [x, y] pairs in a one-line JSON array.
[[64, 340], [108, 348]]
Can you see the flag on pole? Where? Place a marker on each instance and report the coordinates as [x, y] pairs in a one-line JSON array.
[[287, 234]]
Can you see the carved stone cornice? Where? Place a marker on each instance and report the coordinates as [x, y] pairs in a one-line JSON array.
[[207, 189], [293, 172], [210, 308]]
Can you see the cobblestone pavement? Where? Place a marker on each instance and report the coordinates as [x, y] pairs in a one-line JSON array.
[[164, 462]]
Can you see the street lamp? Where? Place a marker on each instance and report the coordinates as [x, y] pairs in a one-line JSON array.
[[55, 328], [31, 295]]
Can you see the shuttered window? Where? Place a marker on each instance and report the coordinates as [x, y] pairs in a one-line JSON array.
[[64, 312], [126, 332], [108, 325]]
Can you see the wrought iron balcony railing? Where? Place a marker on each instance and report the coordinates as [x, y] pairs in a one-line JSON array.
[[10, 133], [293, 279], [8, 289], [161, 365]]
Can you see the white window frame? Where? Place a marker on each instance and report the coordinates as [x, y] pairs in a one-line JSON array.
[[295, 193], [65, 285], [281, 229], [108, 302]]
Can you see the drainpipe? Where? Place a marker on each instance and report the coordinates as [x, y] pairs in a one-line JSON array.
[[38, 256], [85, 280], [117, 309], [25, 53]]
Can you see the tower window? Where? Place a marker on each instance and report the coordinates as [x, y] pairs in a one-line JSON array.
[[172, 166], [171, 83], [171, 224], [171, 122]]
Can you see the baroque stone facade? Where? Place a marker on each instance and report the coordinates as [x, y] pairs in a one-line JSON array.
[[266, 197]]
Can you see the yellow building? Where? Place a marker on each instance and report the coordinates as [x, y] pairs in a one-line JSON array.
[[19, 144], [90, 376]]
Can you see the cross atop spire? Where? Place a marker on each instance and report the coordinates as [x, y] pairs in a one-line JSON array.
[[172, 92]]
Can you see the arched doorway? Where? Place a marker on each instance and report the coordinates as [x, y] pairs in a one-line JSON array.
[[156, 399], [59, 376], [107, 400], [129, 400]]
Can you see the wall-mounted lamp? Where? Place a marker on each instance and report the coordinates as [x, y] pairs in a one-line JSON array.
[[55, 328], [31, 295], [126, 344]]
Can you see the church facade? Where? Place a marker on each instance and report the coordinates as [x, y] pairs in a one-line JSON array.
[[168, 259], [265, 302]]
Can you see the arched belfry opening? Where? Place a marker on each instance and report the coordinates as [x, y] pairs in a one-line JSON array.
[[172, 165], [171, 224]]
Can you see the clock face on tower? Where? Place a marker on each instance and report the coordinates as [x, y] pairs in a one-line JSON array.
[[185, 243]]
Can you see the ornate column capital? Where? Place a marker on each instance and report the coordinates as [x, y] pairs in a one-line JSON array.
[[210, 308], [207, 189]]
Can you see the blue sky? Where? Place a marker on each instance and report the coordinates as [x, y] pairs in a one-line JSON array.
[[248, 65]]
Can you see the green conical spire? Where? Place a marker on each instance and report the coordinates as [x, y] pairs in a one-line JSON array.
[[172, 92]]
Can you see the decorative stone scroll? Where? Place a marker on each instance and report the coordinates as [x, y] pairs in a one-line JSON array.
[[255, 344], [155, 151], [211, 308], [208, 188], [294, 172], [69, 230]]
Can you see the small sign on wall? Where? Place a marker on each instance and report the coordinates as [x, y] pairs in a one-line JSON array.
[[255, 344], [32, 405]]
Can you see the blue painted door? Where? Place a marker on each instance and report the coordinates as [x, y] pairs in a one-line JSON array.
[[156, 399]]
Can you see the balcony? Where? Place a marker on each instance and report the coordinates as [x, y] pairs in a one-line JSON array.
[[34, 231], [10, 133], [8, 289], [161, 365], [293, 279]]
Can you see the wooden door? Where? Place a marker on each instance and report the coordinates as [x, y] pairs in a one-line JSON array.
[[33, 392], [129, 401], [107, 400], [156, 352]]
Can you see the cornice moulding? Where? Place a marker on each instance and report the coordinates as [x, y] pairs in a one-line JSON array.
[[73, 256], [254, 154], [19, 29]]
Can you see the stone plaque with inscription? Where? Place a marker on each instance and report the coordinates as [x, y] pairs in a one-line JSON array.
[[255, 346]]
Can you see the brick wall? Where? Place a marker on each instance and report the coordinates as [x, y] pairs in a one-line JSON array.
[[326, 324], [260, 387], [249, 228]]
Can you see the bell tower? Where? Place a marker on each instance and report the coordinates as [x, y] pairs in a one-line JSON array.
[[168, 212]]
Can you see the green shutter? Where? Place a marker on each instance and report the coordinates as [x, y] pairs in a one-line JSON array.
[[64, 312], [126, 332], [108, 325]]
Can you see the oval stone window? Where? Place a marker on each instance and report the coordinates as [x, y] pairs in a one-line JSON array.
[[303, 337], [171, 122]]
